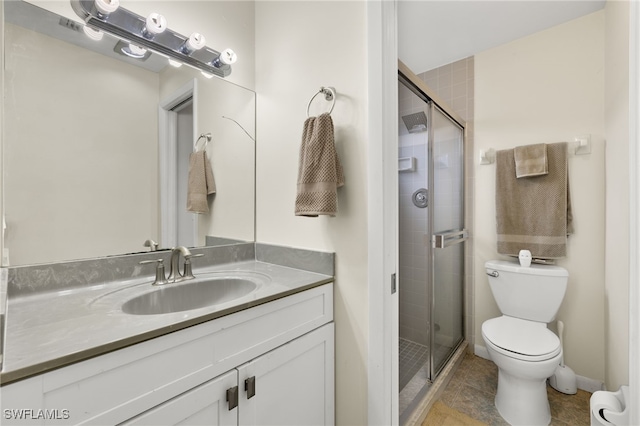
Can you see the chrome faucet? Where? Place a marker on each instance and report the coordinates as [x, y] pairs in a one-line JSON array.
[[160, 278], [151, 244], [174, 274]]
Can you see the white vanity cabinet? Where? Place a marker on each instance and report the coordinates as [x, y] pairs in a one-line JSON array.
[[291, 385], [204, 405], [283, 349]]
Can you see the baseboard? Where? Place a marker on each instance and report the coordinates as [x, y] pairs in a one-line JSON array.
[[584, 383], [589, 385], [481, 351]]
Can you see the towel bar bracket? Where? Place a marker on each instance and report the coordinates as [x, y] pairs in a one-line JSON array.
[[329, 95], [582, 144]]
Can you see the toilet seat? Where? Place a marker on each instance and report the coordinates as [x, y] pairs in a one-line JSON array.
[[521, 339]]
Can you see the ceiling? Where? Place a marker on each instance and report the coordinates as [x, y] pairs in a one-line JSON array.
[[432, 33]]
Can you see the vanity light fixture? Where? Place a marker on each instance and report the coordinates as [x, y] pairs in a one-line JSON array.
[[227, 57], [152, 33], [104, 8], [93, 34], [196, 41], [154, 25], [134, 51]]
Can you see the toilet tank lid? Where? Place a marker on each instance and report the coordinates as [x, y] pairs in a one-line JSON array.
[[534, 269]]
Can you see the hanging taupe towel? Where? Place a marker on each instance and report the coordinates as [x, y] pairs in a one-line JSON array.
[[200, 182], [319, 169], [531, 160], [534, 213]]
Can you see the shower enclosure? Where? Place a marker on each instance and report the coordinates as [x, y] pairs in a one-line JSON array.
[[431, 238]]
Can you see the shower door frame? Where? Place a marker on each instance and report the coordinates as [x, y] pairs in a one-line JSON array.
[[433, 101], [454, 236]]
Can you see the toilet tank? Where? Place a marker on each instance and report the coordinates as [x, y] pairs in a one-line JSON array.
[[533, 293]]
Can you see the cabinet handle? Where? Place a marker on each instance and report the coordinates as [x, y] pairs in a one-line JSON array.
[[232, 397], [250, 387]]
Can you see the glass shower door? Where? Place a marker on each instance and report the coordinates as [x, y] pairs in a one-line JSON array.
[[446, 183]]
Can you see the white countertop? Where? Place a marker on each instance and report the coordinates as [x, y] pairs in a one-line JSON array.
[[51, 329]]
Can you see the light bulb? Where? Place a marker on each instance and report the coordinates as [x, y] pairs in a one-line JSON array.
[[93, 34], [155, 24], [226, 57], [134, 51], [195, 42], [105, 7]]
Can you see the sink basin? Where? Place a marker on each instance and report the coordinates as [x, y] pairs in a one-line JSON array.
[[189, 295]]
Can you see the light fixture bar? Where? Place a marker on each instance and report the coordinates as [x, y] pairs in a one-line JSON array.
[[132, 27]]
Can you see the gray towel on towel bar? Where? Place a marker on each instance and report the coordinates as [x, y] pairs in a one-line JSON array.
[[200, 183], [534, 213], [319, 169], [531, 160]]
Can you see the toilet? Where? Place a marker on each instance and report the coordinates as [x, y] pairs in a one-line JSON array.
[[519, 342]]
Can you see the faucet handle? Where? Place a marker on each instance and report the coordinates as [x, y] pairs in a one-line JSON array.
[[160, 276], [187, 274], [151, 244]]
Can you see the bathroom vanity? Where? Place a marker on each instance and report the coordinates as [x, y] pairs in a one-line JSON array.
[[266, 357]]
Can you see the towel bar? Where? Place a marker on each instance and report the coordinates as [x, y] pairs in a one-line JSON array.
[[329, 95], [207, 137], [581, 146]]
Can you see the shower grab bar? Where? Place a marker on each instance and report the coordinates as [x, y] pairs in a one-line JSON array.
[[450, 238]]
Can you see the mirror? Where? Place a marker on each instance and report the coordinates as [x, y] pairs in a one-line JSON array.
[[97, 145]]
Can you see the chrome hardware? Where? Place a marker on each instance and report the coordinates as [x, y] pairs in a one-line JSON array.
[[174, 275], [151, 244], [130, 26], [329, 95], [187, 274], [420, 198], [493, 274], [450, 238], [160, 277]]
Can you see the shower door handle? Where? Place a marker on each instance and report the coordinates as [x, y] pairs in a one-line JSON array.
[[450, 238]]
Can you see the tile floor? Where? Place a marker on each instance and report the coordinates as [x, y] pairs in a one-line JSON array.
[[472, 391], [414, 373], [412, 357]]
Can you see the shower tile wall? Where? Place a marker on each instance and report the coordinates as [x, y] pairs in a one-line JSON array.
[[454, 83], [413, 226]]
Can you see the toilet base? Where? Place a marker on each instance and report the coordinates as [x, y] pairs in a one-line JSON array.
[[522, 401]]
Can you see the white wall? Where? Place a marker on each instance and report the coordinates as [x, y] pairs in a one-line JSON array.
[[549, 87], [617, 187], [301, 46]]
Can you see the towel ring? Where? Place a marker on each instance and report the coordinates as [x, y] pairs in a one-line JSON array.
[[329, 95], [207, 137]]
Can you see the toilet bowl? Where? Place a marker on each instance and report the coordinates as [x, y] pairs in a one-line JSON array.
[[525, 351], [524, 364]]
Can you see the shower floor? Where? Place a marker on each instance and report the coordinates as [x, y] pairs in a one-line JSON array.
[[413, 380], [412, 357]]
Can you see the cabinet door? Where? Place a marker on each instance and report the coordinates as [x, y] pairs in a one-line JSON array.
[[291, 385], [203, 405]]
